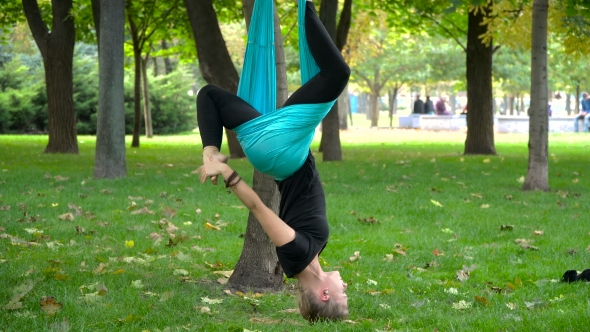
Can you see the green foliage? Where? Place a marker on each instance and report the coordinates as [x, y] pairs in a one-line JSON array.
[[23, 100]]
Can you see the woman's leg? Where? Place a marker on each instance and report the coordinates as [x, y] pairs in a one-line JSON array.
[[327, 85], [218, 108]]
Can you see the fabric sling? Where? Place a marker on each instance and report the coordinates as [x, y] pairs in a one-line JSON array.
[[276, 143]]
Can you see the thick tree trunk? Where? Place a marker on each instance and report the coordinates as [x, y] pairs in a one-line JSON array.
[[537, 177], [258, 267], [110, 161], [330, 142], [57, 49], [147, 111], [480, 122], [215, 63], [577, 100], [568, 103]]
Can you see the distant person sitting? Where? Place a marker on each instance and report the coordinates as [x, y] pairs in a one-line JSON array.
[[441, 106], [418, 105], [584, 113], [428, 106]]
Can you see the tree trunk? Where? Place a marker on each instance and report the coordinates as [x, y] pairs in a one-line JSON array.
[[343, 109], [136, 83], [577, 100], [258, 266], [168, 68], [480, 122], [568, 103], [147, 111], [374, 104], [215, 63], [330, 142], [110, 161], [57, 49], [537, 177]]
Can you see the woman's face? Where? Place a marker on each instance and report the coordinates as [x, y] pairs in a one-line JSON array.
[[337, 288]]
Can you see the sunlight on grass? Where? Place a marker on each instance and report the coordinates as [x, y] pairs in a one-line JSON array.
[[445, 241]]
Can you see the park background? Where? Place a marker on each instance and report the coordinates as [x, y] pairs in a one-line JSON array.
[[431, 230]]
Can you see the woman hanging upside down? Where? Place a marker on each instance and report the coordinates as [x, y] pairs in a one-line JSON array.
[[277, 144]]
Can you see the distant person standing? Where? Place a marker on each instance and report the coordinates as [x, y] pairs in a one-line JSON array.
[[584, 113], [418, 105], [441, 106], [428, 106]]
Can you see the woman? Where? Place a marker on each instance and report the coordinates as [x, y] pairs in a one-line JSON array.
[[277, 144]]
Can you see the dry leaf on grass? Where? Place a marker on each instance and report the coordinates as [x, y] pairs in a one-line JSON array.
[[49, 305], [67, 216], [356, 256]]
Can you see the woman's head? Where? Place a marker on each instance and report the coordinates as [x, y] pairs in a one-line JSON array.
[[328, 302]]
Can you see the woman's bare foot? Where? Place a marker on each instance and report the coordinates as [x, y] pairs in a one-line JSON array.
[[214, 152]]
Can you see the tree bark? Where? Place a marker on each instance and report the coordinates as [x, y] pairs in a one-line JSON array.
[[258, 266], [330, 141], [136, 83], [110, 160], [343, 109], [147, 111], [480, 122], [537, 177], [57, 49], [374, 104], [215, 63]]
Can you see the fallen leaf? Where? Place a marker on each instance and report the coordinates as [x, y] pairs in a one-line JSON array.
[[67, 216], [203, 310], [477, 195], [436, 203], [511, 306], [18, 293], [436, 252], [291, 311], [485, 206], [356, 256], [462, 305], [506, 227], [49, 305], [452, 291], [180, 272], [538, 232], [167, 296], [462, 275], [129, 243], [482, 300], [211, 301], [100, 269], [210, 226], [137, 284], [369, 220], [143, 210], [168, 212]]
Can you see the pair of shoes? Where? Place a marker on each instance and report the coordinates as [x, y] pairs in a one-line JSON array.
[[572, 275]]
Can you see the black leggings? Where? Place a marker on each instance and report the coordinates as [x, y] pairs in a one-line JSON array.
[[218, 108]]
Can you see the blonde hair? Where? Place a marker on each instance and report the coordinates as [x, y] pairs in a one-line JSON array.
[[313, 309]]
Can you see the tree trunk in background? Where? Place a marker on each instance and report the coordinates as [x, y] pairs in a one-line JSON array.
[[374, 104], [480, 122], [568, 105], [343, 109], [110, 161], [214, 61], [453, 103], [577, 100], [392, 104], [168, 68], [537, 177], [57, 49], [258, 266], [147, 110], [330, 142], [136, 83]]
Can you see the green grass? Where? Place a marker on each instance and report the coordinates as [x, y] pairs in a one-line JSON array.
[[399, 284]]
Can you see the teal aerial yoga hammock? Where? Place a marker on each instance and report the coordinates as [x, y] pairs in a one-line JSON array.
[[276, 143]]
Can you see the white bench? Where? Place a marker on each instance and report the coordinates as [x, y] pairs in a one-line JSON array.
[[433, 122], [520, 124], [502, 123]]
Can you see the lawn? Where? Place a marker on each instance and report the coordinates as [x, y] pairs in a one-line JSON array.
[[426, 238]]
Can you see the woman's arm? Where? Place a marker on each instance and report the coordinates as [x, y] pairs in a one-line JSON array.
[[277, 230]]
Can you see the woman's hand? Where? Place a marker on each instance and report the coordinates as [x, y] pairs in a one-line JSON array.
[[212, 168]]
